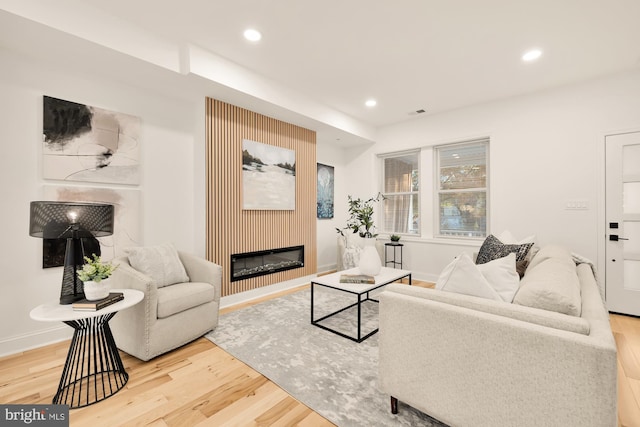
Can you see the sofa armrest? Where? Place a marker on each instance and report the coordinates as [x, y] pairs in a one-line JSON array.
[[467, 367], [201, 270]]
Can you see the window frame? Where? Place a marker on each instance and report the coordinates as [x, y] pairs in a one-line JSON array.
[[418, 194], [437, 191]]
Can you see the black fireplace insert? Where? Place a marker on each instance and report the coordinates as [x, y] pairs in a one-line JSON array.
[[259, 263]]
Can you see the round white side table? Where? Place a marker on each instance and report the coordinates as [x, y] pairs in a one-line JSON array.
[[93, 370]]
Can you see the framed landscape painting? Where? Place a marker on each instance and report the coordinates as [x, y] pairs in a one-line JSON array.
[[88, 144], [325, 191], [268, 177]]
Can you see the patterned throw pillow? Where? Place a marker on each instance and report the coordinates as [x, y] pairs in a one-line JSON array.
[[493, 248]]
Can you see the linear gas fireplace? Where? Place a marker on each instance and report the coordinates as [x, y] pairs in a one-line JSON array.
[[253, 264]]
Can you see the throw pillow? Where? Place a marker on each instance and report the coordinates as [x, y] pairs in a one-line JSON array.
[[510, 239], [502, 276], [462, 276], [161, 263], [492, 248], [507, 237]]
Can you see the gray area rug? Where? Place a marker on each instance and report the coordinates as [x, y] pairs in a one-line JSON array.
[[334, 376]]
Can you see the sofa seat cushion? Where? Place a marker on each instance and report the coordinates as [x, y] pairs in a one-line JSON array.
[[183, 296], [551, 285]]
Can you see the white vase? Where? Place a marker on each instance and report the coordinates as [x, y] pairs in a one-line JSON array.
[[370, 263], [96, 290]]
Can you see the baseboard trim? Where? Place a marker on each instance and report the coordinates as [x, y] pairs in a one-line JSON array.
[[246, 296], [36, 339]]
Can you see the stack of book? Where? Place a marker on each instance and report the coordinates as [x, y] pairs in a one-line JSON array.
[[86, 305], [357, 278]]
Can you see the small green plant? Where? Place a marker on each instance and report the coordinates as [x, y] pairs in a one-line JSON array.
[[95, 270], [361, 216], [394, 238]]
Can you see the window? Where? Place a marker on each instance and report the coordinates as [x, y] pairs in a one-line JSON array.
[[400, 179], [462, 188]]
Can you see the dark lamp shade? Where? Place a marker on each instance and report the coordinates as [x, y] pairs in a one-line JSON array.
[[53, 220]]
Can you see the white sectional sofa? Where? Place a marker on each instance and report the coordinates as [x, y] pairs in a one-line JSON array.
[[470, 361]]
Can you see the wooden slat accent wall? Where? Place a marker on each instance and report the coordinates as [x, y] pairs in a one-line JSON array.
[[232, 230]]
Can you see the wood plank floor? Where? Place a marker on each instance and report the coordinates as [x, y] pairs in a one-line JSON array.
[[200, 384]]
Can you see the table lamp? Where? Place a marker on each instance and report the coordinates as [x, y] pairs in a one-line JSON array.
[[76, 222]]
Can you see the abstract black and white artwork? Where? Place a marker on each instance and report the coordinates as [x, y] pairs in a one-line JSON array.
[[268, 177], [127, 227], [325, 191], [89, 144]]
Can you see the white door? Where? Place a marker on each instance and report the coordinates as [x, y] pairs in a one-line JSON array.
[[623, 223]]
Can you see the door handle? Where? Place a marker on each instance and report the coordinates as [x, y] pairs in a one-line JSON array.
[[615, 238]]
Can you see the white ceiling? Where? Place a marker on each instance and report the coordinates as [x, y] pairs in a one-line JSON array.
[[435, 55]]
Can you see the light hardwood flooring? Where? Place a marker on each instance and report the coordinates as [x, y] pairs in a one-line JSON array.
[[626, 331], [201, 384]]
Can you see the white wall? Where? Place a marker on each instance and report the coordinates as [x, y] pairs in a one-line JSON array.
[[172, 156], [332, 155], [546, 148]]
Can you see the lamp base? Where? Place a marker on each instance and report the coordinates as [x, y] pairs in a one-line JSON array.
[[72, 289]]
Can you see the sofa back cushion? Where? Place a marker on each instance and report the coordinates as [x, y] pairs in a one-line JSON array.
[[545, 318], [551, 283]]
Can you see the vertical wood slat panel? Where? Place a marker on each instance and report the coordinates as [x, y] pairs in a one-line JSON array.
[[230, 229]]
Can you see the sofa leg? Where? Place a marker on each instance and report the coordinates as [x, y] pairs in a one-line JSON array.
[[394, 405]]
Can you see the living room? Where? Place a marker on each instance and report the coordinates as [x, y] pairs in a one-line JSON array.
[[546, 148]]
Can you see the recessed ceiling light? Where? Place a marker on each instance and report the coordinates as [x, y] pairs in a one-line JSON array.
[[371, 103], [531, 55], [252, 35]]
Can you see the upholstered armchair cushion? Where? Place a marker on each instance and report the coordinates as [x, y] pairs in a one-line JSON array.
[[182, 296]]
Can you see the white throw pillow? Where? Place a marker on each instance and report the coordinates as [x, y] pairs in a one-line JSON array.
[[502, 276], [462, 276], [160, 262], [509, 239]]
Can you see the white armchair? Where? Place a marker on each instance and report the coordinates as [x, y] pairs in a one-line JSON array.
[[169, 316]]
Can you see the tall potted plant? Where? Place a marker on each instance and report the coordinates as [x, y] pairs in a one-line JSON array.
[[361, 223], [361, 216]]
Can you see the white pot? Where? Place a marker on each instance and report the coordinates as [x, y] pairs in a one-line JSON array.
[[96, 290], [370, 263]]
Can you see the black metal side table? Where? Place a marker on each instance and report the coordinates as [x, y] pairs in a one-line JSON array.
[[393, 261], [93, 370]]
